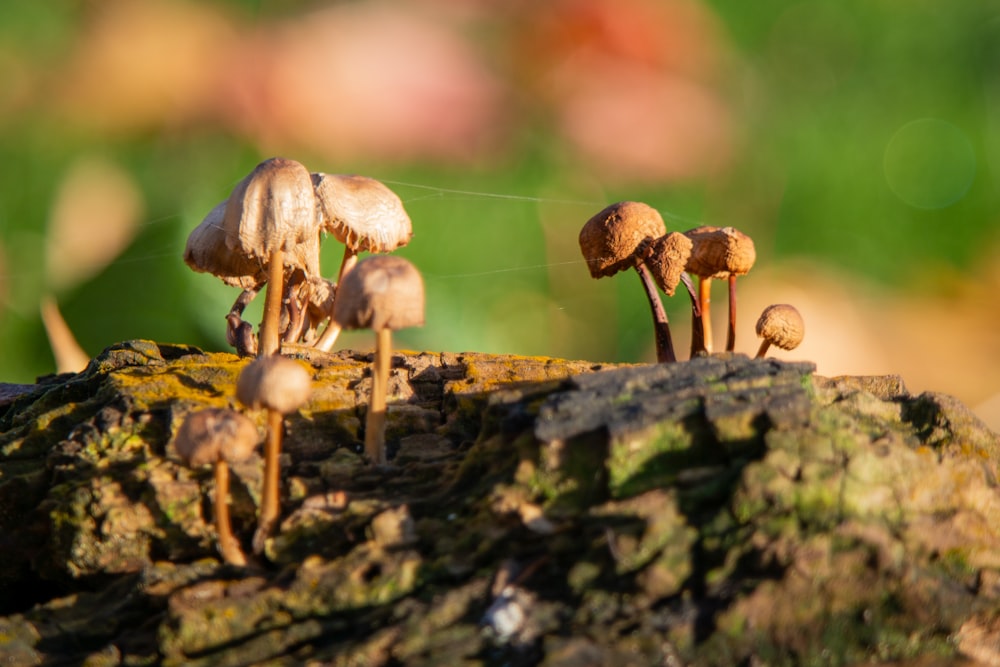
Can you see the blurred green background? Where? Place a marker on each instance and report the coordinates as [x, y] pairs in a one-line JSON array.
[[856, 141]]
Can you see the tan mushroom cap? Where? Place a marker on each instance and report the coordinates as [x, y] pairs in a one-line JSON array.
[[666, 258], [361, 212], [322, 295], [611, 239], [206, 252], [275, 383], [781, 325], [215, 434], [381, 292], [275, 207], [719, 252]]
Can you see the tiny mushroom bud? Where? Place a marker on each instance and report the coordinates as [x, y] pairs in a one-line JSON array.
[[280, 386], [218, 436], [364, 215], [718, 252], [381, 293], [614, 240], [270, 217], [780, 325]]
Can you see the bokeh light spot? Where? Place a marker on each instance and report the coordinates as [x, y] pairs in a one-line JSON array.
[[929, 163]]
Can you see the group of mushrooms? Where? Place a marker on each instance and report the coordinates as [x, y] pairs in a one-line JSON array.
[[631, 234], [267, 234]]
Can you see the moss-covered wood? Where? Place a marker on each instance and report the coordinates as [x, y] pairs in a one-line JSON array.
[[720, 511]]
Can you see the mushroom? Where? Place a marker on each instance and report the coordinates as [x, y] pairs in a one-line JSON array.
[[666, 258], [265, 227], [780, 325], [614, 240], [271, 217], [220, 437], [206, 251], [364, 215], [280, 386], [718, 252], [382, 293]]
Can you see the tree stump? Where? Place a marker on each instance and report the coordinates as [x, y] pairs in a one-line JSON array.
[[719, 511]]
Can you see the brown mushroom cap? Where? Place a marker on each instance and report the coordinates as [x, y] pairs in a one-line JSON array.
[[381, 292], [666, 258], [611, 239], [782, 326], [275, 383], [275, 207], [719, 252], [361, 212], [214, 434]]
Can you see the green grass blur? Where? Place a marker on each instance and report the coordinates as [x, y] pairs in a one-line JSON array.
[[867, 137]]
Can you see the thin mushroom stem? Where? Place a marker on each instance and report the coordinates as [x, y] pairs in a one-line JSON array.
[[705, 302], [243, 300], [762, 350], [731, 331], [332, 332], [664, 343], [229, 546], [375, 421], [270, 340], [239, 334], [269, 508], [348, 263], [328, 337], [697, 333], [296, 296]]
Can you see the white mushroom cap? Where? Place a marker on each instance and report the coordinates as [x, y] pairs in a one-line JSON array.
[[275, 383], [215, 434], [361, 212], [381, 292], [275, 206]]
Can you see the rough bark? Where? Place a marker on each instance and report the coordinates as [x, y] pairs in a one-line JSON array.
[[720, 511]]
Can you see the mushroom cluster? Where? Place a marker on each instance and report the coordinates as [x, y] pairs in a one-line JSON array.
[[633, 235], [267, 233], [222, 436]]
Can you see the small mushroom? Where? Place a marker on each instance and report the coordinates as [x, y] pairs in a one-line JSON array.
[[270, 218], [382, 293], [780, 325], [280, 386], [206, 252], [364, 215], [666, 258], [720, 253], [220, 437], [614, 240]]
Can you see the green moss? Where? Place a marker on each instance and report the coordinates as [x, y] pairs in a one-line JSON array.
[[651, 459]]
